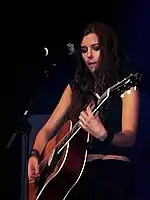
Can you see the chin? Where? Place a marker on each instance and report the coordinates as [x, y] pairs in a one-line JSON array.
[[91, 69]]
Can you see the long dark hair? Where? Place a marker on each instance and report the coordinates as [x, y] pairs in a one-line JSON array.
[[112, 66]]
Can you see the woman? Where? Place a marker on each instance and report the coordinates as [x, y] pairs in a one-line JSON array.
[[112, 130]]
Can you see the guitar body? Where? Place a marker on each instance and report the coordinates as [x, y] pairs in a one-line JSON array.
[[60, 172]]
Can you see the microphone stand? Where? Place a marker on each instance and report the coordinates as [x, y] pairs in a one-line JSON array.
[[24, 128]]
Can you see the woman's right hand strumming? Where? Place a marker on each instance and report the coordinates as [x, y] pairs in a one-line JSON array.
[[33, 168]]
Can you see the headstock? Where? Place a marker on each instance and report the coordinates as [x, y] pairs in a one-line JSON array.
[[127, 83], [119, 88]]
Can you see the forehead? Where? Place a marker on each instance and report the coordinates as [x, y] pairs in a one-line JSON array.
[[89, 39]]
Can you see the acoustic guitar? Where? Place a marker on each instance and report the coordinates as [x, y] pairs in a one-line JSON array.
[[64, 157]]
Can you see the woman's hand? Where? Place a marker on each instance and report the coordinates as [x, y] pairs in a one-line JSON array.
[[92, 124], [33, 169]]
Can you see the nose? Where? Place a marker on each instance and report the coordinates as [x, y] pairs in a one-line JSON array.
[[89, 53]]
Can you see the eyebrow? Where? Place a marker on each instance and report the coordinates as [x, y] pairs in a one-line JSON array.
[[97, 43]]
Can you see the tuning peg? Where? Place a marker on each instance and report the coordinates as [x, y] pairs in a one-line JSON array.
[[122, 95], [129, 91]]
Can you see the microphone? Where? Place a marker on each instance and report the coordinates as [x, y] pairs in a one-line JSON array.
[[71, 48]]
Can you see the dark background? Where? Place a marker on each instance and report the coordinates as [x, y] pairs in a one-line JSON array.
[[25, 31]]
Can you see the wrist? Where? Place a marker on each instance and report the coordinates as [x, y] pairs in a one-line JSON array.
[[103, 135], [35, 153], [109, 137]]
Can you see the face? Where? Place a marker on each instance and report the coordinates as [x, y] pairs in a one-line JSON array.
[[90, 49]]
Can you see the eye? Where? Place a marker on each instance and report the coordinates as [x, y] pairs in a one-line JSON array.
[[84, 49], [96, 47]]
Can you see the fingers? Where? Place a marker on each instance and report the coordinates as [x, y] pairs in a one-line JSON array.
[[82, 119], [32, 177], [89, 111], [33, 173], [83, 115], [86, 116], [83, 122], [83, 126], [36, 169]]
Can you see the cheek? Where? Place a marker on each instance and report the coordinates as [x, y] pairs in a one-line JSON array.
[[84, 57], [97, 56]]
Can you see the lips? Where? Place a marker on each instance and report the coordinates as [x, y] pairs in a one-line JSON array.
[[91, 63]]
